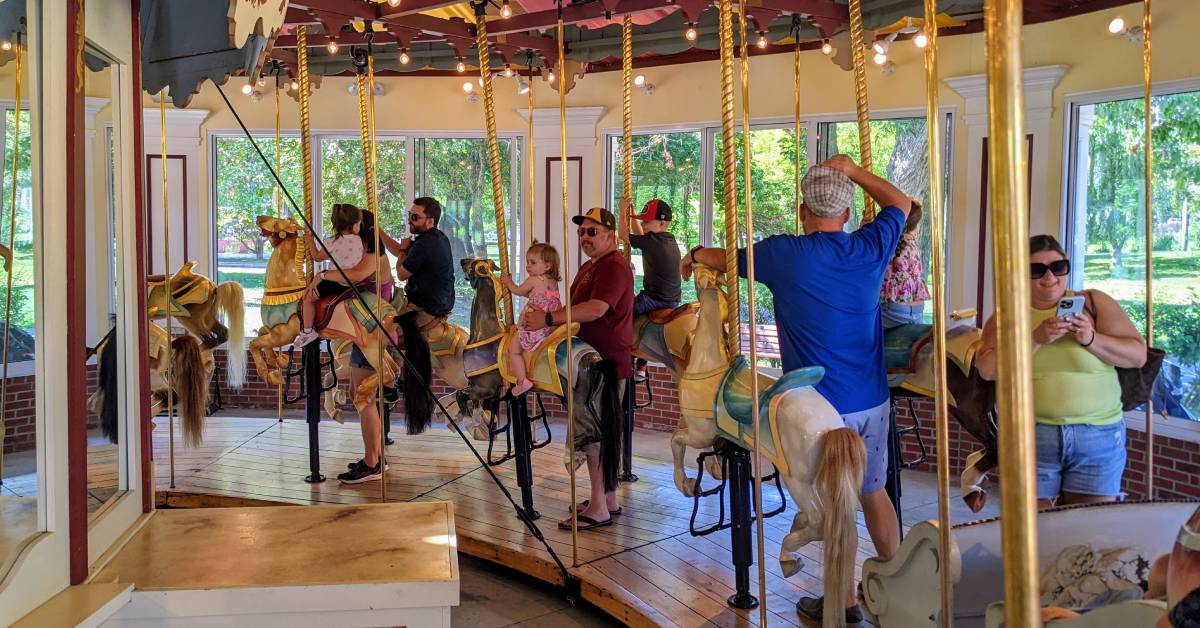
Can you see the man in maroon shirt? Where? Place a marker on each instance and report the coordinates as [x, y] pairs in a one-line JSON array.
[[602, 304]]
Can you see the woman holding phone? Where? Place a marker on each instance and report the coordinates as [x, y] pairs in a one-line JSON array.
[[1078, 341]]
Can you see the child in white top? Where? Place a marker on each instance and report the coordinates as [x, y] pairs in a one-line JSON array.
[[541, 288], [346, 248]]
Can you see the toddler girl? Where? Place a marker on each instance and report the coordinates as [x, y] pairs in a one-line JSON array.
[[904, 293], [346, 247], [541, 288]]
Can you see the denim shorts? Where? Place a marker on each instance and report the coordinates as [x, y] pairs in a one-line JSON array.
[[643, 303], [872, 425], [1084, 459], [897, 314]]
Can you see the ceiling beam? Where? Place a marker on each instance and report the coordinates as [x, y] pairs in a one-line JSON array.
[[348, 8], [571, 15]]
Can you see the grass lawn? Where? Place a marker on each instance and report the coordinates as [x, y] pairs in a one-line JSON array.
[[1176, 277]]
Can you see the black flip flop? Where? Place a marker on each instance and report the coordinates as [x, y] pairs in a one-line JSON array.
[[585, 523], [584, 504]]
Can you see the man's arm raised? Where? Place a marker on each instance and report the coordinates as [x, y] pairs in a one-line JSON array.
[[882, 191]]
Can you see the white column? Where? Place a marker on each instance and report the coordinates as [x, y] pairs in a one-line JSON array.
[[1039, 109], [97, 252], [582, 135], [187, 215]]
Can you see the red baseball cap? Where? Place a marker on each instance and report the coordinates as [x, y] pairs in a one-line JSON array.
[[655, 209]]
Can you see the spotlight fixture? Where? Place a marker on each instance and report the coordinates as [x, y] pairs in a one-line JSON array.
[[522, 85], [505, 10], [921, 40], [690, 34], [1120, 26], [826, 48], [247, 88], [762, 39], [6, 45], [1116, 27], [461, 67], [880, 58], [404, 58], [881, 46], [639, 80], [508, 72], [332, 46], [468, 87]]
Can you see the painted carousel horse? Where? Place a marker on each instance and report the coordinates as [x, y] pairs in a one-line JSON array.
[[191, 368], [343, 318], [665, 336], [479, 400], [820, 460], [195, 303]]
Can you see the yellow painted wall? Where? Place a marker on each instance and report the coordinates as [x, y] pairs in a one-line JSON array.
[[688, 93]]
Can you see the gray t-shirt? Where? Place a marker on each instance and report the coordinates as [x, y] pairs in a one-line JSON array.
[[660, 264]]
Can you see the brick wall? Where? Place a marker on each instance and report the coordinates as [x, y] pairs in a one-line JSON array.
[[20, 413]]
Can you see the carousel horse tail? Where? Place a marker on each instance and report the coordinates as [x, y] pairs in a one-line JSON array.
[[191, 385], [233, 305], [843, 457], [417, 408], [108, 389]]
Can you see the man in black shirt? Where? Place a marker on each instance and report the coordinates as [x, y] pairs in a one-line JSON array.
[[425, 260]]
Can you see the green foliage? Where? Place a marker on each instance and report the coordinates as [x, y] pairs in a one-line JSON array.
[[343, 178], [245, 188], [665, 166]]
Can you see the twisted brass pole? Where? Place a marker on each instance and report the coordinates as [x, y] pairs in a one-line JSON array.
[[562, 145], [493, 147], [857, 54], [364, 131], [304, 264], [626, 119], [1149, 183], [1010, 259], [941, 399], [529, 157], [12, 233], [799, 147], [729, 161], [278, 214]]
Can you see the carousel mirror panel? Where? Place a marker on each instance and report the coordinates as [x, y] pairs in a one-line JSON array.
[[20, 440]]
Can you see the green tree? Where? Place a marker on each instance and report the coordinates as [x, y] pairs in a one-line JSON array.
[[246, 189]]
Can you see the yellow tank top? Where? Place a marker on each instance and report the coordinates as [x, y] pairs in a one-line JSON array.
[[1070, 385]]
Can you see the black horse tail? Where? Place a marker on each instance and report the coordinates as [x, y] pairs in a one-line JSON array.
[[418, 410], [107, 381], [611, 423]]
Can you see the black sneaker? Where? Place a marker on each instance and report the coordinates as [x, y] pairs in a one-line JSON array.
[[360, 462], [812, 608], [361, 474]]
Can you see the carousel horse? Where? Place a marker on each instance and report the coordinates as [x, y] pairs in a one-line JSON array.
[[820, 460], [479, 401], [665, 336], [191, 368], [195, 302], [344, 318]]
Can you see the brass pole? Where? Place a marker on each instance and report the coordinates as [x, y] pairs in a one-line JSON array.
[[529, 158], [626, 120], [733, 332], [799, 148], [941, 400], [1149, 183], [493, 146], [12, 234], [373, 205], [857, 54], [304, 264], [1010, 257], [162, 119], [278, 214], [750, 302], [562, 145]]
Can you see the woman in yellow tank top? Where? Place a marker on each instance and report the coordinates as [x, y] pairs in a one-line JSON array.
[[1076, 395]]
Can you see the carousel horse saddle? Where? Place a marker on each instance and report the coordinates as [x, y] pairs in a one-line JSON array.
[[962, 341], [734, 412], [187, 288], [546, 373], [326, 307], [901, 345], [666, 315], [669, 329], [445, 339]]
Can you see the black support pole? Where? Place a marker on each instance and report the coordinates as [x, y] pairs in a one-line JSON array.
[[741, 479], [312, 408], [892, 485], [627, 437], [522, 435]]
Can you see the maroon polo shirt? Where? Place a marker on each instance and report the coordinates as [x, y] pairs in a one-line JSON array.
[[608, 278]]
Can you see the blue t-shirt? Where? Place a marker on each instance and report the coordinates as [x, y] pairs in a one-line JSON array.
[[826, 288]]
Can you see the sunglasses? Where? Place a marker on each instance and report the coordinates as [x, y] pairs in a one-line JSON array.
[[415, 217], [590, 232], [1059, 268]]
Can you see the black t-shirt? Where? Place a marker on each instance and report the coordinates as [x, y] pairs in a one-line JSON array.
[[431, 286], [660, 264]]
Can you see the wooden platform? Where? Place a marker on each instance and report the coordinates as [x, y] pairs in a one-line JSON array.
[[646, 569]]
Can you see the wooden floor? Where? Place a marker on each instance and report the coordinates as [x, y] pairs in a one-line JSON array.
[[646, 569]]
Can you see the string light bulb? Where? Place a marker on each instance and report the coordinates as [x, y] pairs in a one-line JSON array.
[[505, 10], [639, 80], [6, 45], [508, 72], [826, 48], [461, 67], [921, 40], [762, 40], [690, 34], [295, 86], [404, 58], [394, 3], [247, 88], [332, 46], [468, 87], [880, 58], [550, 77], [1118, 25]]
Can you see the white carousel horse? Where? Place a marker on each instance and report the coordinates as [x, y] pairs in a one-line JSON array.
[[820, 460]]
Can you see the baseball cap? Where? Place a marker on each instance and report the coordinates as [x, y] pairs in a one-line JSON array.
[[655, 209], [827, 192], [598, 215]]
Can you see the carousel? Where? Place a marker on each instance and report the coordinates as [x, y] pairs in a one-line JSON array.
[[200, 384]]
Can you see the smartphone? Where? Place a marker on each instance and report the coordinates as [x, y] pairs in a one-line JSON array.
[[1069, 306]]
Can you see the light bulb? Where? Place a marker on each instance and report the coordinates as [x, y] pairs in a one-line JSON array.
[[394, 3], [550, 77], [1117, 25], [921, 40], [468, 87], [639, 80], [880, 59], [404, 58], [332, 46], [295, 86], [827, 49], [247, 88], [691, 34], [505, 10], [762, 41], [462, 67], [880, 46], [6, 44], [508, 71]]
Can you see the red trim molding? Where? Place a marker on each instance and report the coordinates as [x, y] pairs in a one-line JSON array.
[[139, 211]]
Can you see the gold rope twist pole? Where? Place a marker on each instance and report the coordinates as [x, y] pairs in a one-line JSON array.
[[162, 117], [12, 232], [278, 214], [364, 128], [857, 45], [1149, 183], [528, 222], [626, 120], [493, 146], [373, 205], [562, 146], [1010, 259], [941, 400], [733, 333], [304, 265], [746, 191], [799, 148]]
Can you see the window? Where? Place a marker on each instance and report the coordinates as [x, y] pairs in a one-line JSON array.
[[1107, 227], [243, 190], [342, 178], [23, 316]]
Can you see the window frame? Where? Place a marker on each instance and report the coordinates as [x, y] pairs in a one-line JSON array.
[[24, 368]]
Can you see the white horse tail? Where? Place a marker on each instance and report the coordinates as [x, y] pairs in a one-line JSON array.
[[843, 457], [233, 304]]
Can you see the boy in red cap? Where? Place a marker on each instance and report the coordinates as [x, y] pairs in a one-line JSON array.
[[660, 260]]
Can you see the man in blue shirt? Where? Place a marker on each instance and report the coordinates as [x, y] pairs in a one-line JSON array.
[[826, 287]]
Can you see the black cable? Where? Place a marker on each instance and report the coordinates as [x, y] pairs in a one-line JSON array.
[[411, 371]]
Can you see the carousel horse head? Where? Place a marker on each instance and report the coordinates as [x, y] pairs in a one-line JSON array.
[[277, 229]]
